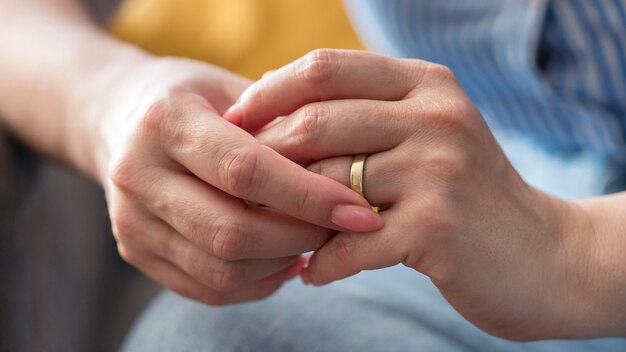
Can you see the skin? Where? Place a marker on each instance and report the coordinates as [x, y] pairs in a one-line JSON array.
[[174, 172], [514, 261]]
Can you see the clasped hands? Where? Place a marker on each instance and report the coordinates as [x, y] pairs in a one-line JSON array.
[[178, 163]]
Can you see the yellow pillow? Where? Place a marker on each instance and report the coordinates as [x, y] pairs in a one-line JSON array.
[[245, 36]]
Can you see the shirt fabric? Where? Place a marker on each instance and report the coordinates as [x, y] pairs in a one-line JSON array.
[[553, 70]]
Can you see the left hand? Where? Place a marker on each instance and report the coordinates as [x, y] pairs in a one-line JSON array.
[[511, 259]]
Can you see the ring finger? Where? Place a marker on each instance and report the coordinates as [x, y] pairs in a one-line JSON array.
[[381, 184]]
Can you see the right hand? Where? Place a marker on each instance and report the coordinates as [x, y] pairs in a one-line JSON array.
[[175, 176]]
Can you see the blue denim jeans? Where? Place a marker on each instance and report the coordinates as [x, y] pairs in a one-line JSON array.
[[395, 309]]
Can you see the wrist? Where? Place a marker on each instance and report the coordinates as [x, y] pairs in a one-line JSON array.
[[593, 288], [606, 241], [94, 100]]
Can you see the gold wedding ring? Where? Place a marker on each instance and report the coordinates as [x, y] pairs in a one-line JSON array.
[[356, 175]]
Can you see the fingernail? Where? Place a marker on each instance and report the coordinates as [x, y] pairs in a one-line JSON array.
[[356, 218], [306, 259], [234, 114]]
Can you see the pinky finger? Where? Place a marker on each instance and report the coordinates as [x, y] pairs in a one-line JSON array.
[[180, 282]]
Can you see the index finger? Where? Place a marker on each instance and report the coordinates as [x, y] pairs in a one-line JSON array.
[[323, 74], [232, 160]]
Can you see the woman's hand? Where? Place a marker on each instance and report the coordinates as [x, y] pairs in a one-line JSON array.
[[175, 175], [174, 172], [514, 261]]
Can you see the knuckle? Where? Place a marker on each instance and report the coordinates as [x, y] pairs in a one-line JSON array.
[[153, 119], [320, 65], [451, 115], [454, 114], [441, 72], [416, 69], [227, 276], [192, 219], [124, 174], [229, 241], [239, 171], [190, 263], [207, 272], [170, 248], [304, 202], [316, 168], [309, 124], [432, 74], [123, 223], [334, 170], [449, 165], [168, 120]]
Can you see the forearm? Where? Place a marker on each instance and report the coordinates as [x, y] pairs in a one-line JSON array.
[[52, 57]]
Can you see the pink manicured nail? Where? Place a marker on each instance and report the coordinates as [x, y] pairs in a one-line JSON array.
[[356, 218], [234, 115], [307, 260]]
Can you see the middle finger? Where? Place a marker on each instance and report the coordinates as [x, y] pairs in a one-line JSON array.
[[339, 127]]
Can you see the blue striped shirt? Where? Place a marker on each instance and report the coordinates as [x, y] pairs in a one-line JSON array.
[[554, 70]]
